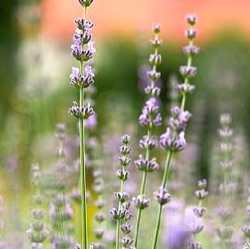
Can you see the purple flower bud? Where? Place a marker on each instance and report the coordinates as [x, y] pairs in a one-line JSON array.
[[199, 211], [124, 161], [126, 228], [122, 174], [84, 24], [125, 150], [191, 19], [174, 143], [156, 28], [191, 50], [191, 34], [202, 184], [148, 142], [162, 196], [126, 241], [185, 88], [125, 139], [155, 59], [121, 196], [146, 165], [82, 112], [141, 201], [153, 75], [201, 194], [153, 91], [156, 42], [188, 71]]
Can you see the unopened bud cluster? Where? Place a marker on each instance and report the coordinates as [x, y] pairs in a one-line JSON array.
[[37, 232], [227, 186], [198, 212], [174, 137], [122, 213], [99, 215]]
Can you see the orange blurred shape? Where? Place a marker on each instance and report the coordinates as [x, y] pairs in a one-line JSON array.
[[119, 17]]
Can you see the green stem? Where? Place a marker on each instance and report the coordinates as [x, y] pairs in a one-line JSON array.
[[118, 223], [157, 228], [164, 183], [83, 183], [167, 169], [142, 192]]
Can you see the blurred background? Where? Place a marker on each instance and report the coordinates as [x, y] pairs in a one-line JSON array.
[[35, 63]]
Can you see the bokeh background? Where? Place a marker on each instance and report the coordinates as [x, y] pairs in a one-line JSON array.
[[35, 63]]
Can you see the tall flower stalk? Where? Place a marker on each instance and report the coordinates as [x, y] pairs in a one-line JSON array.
[[121, 214], [228, 186], [173, 140], [81, 78], [150, 118]]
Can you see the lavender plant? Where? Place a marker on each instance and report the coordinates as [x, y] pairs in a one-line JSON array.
[[81, 78], [121, 214], [173, 140], [198, 211], [37, 232], [150, 118], [227, 186]]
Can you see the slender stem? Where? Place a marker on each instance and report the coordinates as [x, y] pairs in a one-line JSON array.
[[118, 223], [142, 191], [164, 182], [83, 184], [157, 228], [167, 169]]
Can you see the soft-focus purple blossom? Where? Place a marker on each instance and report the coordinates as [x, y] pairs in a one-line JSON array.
[[146, 165], [185, 88], [173, 142], [191, 34], [191, 50], [162, 196], [188, 71], [150, 114], [84, 24], [82, 112], [141, 201], [148, 142]]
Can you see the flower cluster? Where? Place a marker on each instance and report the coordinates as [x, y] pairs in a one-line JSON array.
[[82, 77], [99, 215], [174, 137], [150, 118], [37, 232], [122, 214], [227, 186]]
